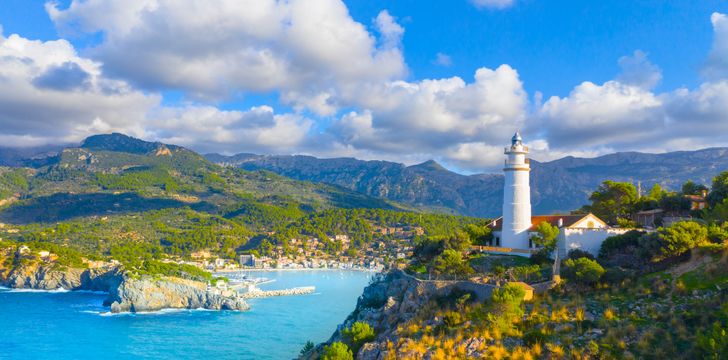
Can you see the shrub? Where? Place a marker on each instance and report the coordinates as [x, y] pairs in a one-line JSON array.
[[681, 237], [337, 351], [307, 347], [617, 243], [583, 270], [578, 254], [452, 319], [358, 334], [451, 262]]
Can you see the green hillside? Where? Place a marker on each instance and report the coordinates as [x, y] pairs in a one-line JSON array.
[[116, 195]]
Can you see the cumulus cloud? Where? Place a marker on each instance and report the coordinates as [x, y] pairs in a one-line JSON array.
[[50, 94], [716, 66], [432, 116], [303, 49], [624, 114], [638, 71], [208, 129], [492, 4]]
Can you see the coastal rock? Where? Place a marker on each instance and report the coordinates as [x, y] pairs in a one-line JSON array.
[[392, 299], [152, 294], [126, 293]]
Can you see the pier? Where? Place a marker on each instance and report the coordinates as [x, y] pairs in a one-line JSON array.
[[257, 293]]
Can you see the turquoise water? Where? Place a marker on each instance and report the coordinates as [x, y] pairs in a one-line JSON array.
[[73, 325]]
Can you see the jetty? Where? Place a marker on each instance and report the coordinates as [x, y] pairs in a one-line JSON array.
[[257, 293]]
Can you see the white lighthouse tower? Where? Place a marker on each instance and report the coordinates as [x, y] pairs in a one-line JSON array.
[[516, 196]]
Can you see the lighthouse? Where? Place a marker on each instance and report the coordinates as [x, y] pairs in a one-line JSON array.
[[516, 196]]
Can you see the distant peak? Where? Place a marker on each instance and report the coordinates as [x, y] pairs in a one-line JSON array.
[[430, 165], [124, 143]]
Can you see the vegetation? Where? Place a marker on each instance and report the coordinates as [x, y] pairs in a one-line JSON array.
[[358, 334], [337, 351]]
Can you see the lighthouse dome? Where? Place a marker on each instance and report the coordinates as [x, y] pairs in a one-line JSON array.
[[517, 139]]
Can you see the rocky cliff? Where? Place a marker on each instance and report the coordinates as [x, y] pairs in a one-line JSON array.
[[150, 294], [391, 300], [559, 185], [126, 293]]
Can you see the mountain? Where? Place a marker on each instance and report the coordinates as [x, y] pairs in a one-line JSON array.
[[556, 186], [26, 155], [117, 174]]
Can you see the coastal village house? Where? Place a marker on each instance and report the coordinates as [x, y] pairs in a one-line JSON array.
[[512, 232]]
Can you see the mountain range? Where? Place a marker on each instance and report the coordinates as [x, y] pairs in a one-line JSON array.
[[157, 169], [556, 186]]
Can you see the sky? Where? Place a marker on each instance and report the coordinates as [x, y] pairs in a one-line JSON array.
[[405, 80]]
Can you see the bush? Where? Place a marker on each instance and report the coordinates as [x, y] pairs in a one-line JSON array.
[[578, 254], [681, 237], [508, 299], [452, 319], [358, 334], [337, 351], [451, 262], [541, 257], [617, 243], [583, 271]]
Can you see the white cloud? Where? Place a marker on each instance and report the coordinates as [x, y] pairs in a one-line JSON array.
[[596, 114], [305, 50], [208, 129], [493, 4], [717, 63], [637, 70], [50, 94], [436, 116], [442, 60]]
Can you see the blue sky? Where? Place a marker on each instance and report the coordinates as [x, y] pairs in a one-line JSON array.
[[373, 79]]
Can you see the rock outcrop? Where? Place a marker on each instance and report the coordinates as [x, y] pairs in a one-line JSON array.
[[392, 299], [151, 294], [126, 293]]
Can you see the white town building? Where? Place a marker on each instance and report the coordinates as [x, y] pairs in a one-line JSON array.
[[512, 232]]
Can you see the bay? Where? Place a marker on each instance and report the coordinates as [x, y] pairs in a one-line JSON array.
[[74, 325]]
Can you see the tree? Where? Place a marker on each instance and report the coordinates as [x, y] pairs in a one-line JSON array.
[[718, 233], [613, 200], [337, 351], [680, 237], [451, 262], [657, 192], [546, 235], [479, 234], [508, 299], [307, 347], [691, 188], [719, 190], [358, 334], [583, 270]]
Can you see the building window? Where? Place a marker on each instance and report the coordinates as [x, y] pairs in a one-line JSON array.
[[497, 241], [590, 224], [530, 244]]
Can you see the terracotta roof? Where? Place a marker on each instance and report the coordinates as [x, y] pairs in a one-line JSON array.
[[568, 220], [695, 198]]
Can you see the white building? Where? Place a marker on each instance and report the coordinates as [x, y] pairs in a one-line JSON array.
[[512, 232]]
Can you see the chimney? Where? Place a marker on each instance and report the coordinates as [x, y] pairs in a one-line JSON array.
[[561, 222]]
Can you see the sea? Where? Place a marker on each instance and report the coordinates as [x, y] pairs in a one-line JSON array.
[[75, 325]]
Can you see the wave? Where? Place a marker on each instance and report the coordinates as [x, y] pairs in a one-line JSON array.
[[165, 311], [52, 291]]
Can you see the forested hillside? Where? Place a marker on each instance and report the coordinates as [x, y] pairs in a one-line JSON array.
[[559, 185]]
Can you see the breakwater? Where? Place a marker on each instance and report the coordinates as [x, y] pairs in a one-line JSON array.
[[284, 292]]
